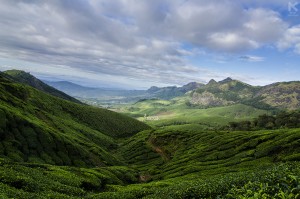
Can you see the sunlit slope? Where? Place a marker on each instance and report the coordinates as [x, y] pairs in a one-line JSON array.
[[176, 111]]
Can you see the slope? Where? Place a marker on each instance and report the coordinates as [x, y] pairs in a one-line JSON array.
[[183, 162], [37, 127], [281, 95], [284, 95], [27, 78], [178, 111]]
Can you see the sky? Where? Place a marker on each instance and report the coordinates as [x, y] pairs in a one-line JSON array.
[[136, 44]]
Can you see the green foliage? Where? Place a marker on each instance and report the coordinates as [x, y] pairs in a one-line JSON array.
[[180, 111], [37, 127], [257, 102], [46, 181], [39, 132], [283, 119], [27, 78], [278, 181]]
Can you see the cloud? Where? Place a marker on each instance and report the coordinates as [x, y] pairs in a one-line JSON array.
[[134, 38], [251, 58], [291, 39]]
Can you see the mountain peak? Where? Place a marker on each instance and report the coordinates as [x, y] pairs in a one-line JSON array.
[[212, 81], [228, 79], [153, 89]]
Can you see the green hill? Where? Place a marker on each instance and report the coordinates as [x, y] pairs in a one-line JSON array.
[[38, 127], [215, 104], [282, 95], [177, 111], [27, 78]]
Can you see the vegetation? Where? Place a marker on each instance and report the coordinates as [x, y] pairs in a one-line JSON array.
[[171, 164], [37, 127], [54, 148], [282, 120], [28, 79], [178, 112], [284, 95], [49, 181]]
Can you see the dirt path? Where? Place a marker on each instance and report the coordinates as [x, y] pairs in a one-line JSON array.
[[159, 150]]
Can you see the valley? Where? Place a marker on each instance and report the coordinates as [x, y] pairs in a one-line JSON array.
[[141, 99], [53, 146]]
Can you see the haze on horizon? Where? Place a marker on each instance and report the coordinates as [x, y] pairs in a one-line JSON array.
[[140, 43]]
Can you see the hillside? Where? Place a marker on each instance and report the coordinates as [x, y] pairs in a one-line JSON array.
[[222, 93], [282, 95], [177, 111], [27, 78], [38, 127], [180, 162], [285, 95]]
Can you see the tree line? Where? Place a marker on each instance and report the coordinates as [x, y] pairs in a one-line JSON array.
[[284, 119]]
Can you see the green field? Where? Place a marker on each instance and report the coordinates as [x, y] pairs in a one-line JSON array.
[[161, 113]]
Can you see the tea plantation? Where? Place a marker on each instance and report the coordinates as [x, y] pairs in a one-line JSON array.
[[54, 148]]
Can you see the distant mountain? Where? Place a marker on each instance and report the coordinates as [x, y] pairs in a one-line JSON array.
[[284, 95], [102, 94], [40, 128], [67, 87], [116, 95], [172, 91], [27, 78]]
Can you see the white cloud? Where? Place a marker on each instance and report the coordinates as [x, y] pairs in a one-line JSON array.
[[291, 39], [135, 38]]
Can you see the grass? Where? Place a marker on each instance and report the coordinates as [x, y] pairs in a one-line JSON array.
[[176, 112]]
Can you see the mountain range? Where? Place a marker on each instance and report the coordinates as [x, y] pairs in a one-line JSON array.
[[281, 95]]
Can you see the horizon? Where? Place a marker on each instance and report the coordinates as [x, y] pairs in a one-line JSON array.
[[126, 88], [138, 44]]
